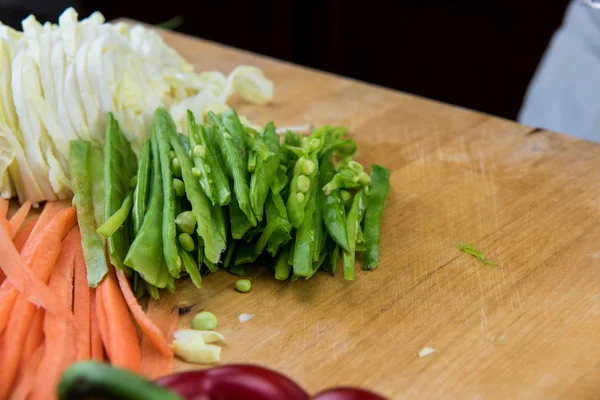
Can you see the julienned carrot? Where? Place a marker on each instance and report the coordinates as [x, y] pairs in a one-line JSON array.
[[31, 285], [23, 235], [4, 206], [26, 377], [163, 312], [81, 306], [23, 310], [18, 218], [60, 338], [102, 322], [41, 250], [149, 329], [35, 336], [49, 211], [123, 344], [96, 347]]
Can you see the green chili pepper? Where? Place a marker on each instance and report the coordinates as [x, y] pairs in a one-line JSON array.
[[378, 193]]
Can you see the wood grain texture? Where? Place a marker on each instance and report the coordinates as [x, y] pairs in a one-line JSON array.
[[530, 199]]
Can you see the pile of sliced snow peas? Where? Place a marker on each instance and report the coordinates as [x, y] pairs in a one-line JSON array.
[[225, 196]]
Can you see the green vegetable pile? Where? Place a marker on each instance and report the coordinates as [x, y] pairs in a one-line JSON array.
[[225, 196]]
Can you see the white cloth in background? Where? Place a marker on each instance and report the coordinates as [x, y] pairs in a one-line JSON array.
[[564, 94]]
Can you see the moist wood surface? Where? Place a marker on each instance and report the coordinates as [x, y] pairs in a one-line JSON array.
[[529, 199]]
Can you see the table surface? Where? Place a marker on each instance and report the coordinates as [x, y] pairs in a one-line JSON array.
[[528, 198]]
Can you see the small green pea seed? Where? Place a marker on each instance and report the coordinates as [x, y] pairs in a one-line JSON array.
[[172, 154], [307, 167], [176, 167], [354, 166], [346, 196], [133, 181], [196, 172], [179, 187], [186, 242], [199, 151], [314, 144], [186, 222], [303, 183], [204, 321], [364, 178], [300, 197], [243, 285]]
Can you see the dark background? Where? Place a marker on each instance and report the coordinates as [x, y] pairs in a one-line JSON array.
[[469, 53]]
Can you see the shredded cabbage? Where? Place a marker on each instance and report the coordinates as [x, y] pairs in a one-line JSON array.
[[59, 81]]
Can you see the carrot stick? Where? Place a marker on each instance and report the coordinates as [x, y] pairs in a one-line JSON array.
[[41, 250], [163, 312], [149, 329], [18, 218], [81, 306], [4, 203], [102, 323], [23, 235], [23, 310], [50, 210], [96, 348], [123, 346], [60, 338], [27, 375], [35, 336]]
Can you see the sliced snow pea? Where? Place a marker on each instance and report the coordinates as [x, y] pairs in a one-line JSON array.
[[140, 194], [355, 216], [191, 268], [378, 193], [265, 171], [146, 254], [214, 243], [92, 242], [120, 166], [334, 213], [164, 128]]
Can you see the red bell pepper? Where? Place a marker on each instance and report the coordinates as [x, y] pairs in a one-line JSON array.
[[228, 382]]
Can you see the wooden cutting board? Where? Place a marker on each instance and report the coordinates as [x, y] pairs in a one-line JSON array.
[[528, 198]]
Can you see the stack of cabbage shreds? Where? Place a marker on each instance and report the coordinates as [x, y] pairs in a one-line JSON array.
[[226, 195]]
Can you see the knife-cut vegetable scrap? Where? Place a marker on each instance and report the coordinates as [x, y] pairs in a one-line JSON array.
[[470, 249]]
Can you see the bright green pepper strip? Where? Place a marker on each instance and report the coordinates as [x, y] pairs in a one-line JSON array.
[[140, 194], [92, 242], [355, 216], [282, 266], [214, 244], [380, 187], [164, 128], [191, 268], [120, 165], [233, 148], [112, 224], [146, 252]]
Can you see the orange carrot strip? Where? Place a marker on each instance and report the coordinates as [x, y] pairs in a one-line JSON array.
[[81, 306], [60, 351], [4, 203], [18, 218], [23, 235], [146, 325], [51, 208], [96, 348], [123, 346], [163, 312], [42, 255], [35, 336], [27, 375], [31, 284], [102, 323], [23, 310]]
